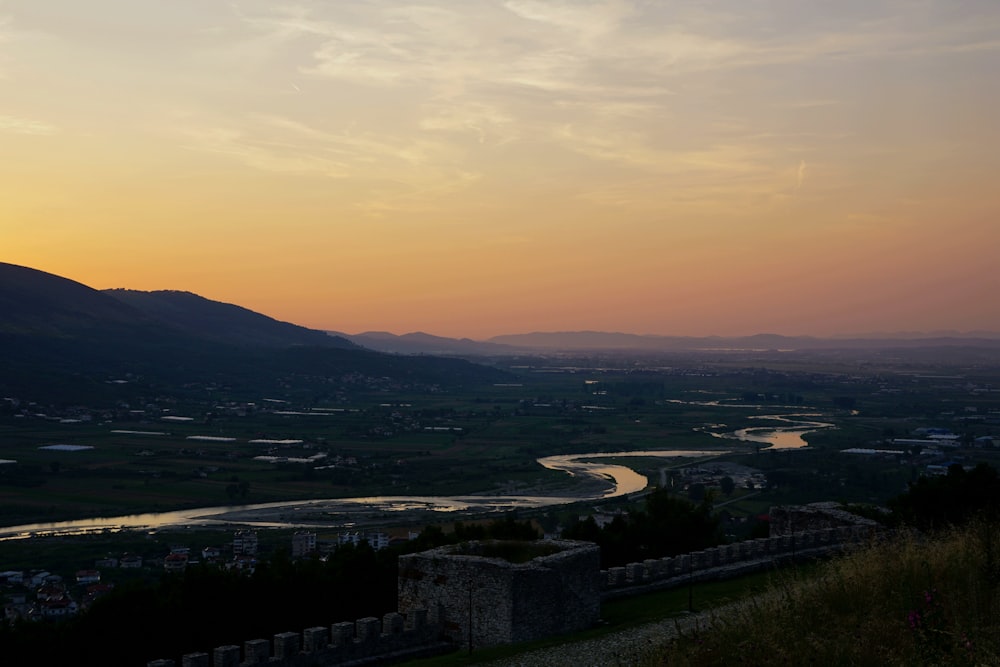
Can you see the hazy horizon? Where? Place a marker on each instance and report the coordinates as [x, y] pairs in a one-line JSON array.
[[860, 334], [479, 168]]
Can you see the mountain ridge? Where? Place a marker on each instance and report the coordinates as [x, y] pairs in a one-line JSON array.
[[221, 321], [66, 342], [34, 302], [597, 341]]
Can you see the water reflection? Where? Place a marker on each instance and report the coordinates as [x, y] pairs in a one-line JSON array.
[[782, 437], [625, 479], [345, 512]]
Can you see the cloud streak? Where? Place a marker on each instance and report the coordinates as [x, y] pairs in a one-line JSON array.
[[26, 126]]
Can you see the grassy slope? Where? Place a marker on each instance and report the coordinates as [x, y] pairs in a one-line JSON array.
[[908, 601]]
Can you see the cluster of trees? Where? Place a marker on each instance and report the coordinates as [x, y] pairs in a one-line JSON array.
[[508, 528], [950, 500], [206, 606], [665, 526]]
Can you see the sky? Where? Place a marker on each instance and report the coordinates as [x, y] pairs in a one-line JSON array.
[[474, 168]]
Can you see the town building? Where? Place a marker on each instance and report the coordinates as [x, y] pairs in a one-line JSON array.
[[175, 562], [303, 544], [245, 543], [130, 561], [375, 540], [88, 576]]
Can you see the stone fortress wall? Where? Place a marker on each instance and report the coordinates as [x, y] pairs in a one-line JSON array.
[[361, 642], [551, 594], [797, 532], [728, 561], [485, 600]]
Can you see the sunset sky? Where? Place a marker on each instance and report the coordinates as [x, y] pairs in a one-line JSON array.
[[473, 168]]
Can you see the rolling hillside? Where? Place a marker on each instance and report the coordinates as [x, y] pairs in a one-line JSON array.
[[63, 341]]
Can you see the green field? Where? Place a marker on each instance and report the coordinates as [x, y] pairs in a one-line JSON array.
[[482, 439]]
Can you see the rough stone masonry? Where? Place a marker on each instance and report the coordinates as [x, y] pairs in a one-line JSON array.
[[484, 599]]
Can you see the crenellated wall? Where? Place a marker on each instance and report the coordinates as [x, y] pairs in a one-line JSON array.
[[728, 560], [394, 636], [790, 519]]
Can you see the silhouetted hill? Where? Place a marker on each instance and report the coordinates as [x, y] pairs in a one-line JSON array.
[[65, 342], [41, 304], [36, 303], [224, 322]]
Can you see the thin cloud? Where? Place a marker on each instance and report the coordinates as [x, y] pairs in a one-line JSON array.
[[584, 21], [286, 144], [25, 126], [388, 173], [632, 149], [488, 123], [261, 154], [383, 201], [809, 104]]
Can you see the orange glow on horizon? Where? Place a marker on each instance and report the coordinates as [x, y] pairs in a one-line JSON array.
[[477, 169]]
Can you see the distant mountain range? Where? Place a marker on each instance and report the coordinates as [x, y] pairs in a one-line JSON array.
[[597, 341], [61, 337], [62, 340]]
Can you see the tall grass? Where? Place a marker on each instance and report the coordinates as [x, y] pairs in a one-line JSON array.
[[911, 600]]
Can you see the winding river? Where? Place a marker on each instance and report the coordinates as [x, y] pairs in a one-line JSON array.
[[775, 437], [782, 437], [347, 513]]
